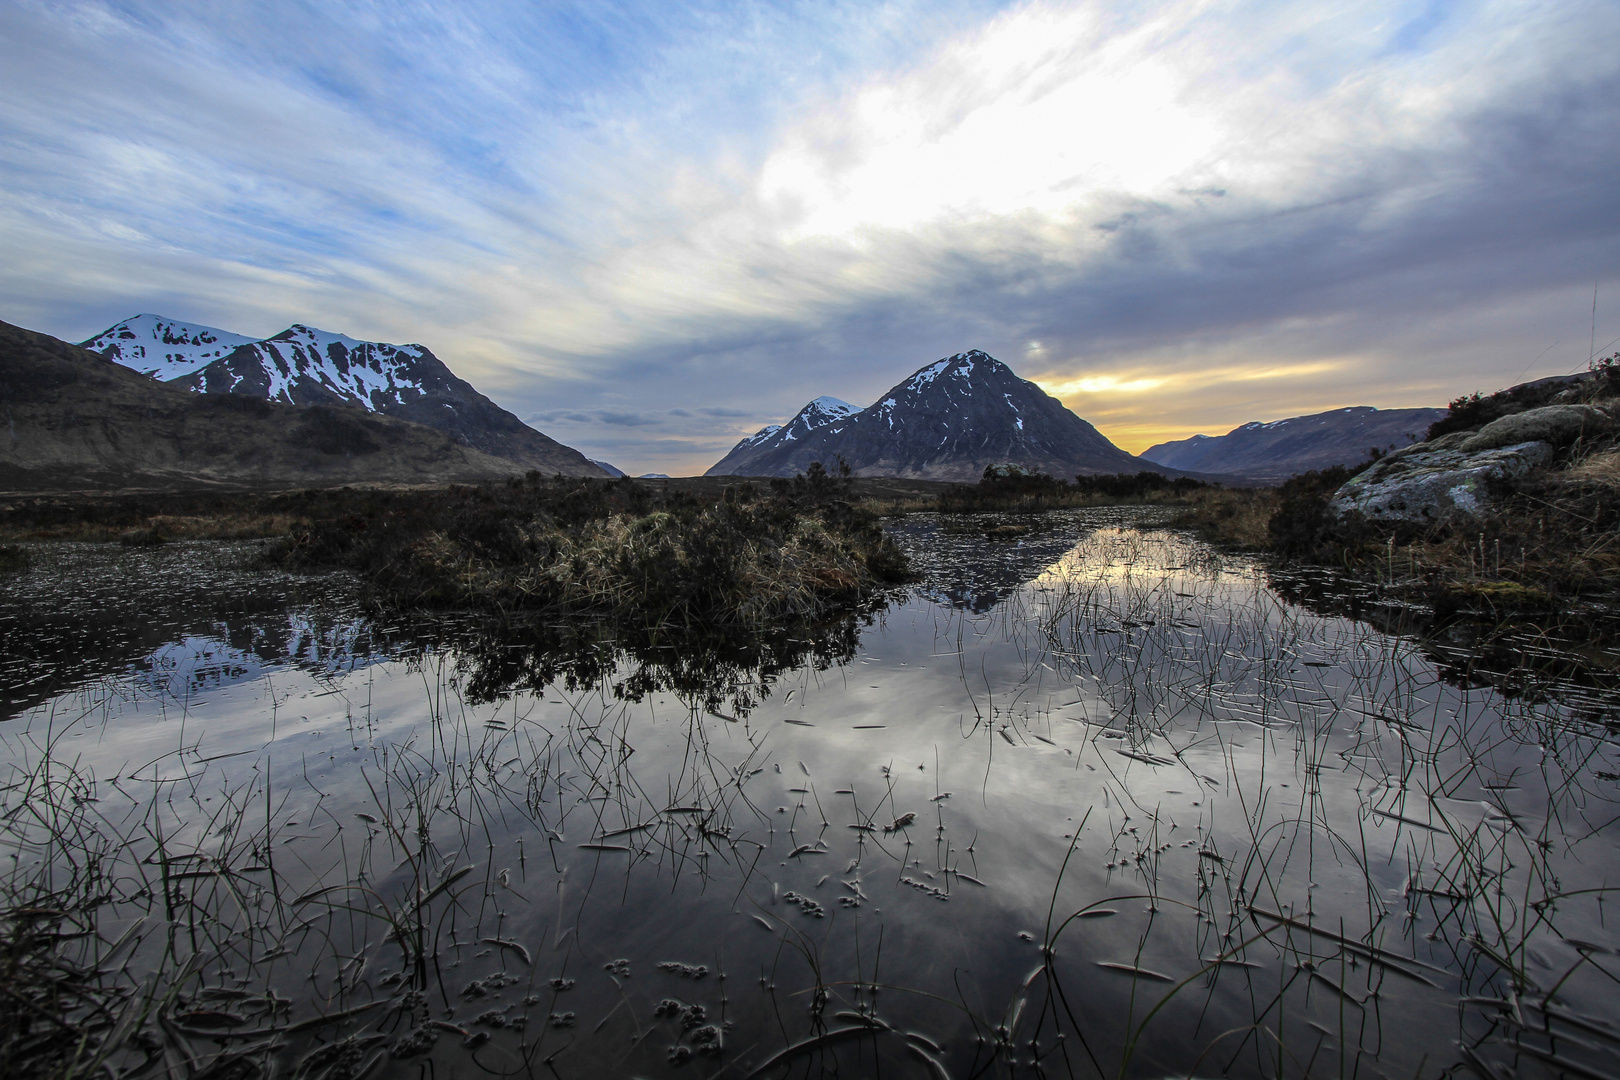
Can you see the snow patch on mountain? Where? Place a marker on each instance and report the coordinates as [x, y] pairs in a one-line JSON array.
[[162, 348], [373, 374]]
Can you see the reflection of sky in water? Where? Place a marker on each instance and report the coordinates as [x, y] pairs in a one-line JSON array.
[[1220, 761]]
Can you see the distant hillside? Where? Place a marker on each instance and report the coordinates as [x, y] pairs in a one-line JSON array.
[[78, 421], [946, 422], [1285, 448], [305, 366]]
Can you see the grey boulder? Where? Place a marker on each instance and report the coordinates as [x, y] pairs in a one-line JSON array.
[[1559, 425], [1432, 482]]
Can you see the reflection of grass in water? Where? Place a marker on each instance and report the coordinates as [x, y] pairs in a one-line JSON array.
[[477, 814], [1487, 884]]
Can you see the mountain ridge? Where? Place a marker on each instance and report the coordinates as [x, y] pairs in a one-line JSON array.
[[303, 365], [80, 421], [1278, 449]]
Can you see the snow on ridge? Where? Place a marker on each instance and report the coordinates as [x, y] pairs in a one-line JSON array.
[[928, 374], [162, 348], [831, 405], [762, 434], [370, 373]]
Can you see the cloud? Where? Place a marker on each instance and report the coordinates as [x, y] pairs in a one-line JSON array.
[[1177, 218], [626, 419]]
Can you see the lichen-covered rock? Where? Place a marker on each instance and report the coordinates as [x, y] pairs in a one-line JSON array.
[[1432, 482], [1559, 425]]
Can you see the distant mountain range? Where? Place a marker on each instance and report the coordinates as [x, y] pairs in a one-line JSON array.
[[77, 421], [946, 422], [1284, 448], [305, 366]]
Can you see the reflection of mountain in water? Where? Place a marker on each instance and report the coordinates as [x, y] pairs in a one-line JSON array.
[[85, 611], [961, 566], [187, 618], [245, 651]]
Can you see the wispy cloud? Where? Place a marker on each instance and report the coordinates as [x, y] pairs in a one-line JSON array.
[[658, 227]]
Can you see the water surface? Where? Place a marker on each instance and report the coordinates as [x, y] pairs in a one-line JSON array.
[[1097, 801]]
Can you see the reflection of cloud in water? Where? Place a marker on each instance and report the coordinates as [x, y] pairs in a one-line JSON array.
[[199, 662], [960, 566]]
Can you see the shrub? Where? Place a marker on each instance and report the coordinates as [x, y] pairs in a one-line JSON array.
[[13, 558], [1302, 525]]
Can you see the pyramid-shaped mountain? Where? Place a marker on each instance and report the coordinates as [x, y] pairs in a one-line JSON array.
[[305, 366], [947, 422]]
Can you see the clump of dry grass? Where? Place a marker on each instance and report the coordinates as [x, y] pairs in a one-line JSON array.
[[1231, 517], [1602, 468], [639, 557]]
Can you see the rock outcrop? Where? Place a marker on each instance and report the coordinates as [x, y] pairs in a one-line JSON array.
[[1558, 425], [1462, 473]]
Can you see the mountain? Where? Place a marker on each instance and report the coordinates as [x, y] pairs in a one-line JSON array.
[[305, 366], [1285, 448], [773, 437], [611, 470], [946, 422], [78, 421], [163, 348]]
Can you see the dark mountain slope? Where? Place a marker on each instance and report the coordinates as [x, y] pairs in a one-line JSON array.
[[947, 422], [77, 421], [1285, 448]]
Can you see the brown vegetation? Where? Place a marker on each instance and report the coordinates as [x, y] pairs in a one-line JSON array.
[[645, 558]]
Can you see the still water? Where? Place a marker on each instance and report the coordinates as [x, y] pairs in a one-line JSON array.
[[1096, 802]]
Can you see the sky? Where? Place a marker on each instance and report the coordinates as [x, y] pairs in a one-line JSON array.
[[651, 228]]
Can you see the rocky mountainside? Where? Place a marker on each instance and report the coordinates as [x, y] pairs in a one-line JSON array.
[[773, 437], [946, 422], [78, 421], [1285, 448], [305, 366]]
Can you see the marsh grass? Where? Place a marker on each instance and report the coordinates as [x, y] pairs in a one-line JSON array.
[[1016, 492], [641, 558]]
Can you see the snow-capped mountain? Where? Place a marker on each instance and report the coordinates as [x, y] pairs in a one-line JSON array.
[[1284, 448], [164, 348], [820, 413], [946, 422], [612, 470], [306, 366]]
